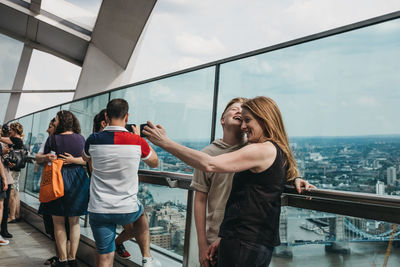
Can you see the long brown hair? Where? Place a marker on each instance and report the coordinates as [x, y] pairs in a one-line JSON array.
[[267, 113]]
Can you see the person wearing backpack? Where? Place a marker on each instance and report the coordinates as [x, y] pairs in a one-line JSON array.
[[15, 142]]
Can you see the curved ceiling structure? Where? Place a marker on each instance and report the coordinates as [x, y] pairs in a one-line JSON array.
[[103, 53]]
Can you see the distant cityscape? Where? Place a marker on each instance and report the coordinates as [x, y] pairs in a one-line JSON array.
[[368, 164]]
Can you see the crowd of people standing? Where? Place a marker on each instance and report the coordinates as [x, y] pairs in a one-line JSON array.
[[238, 182]]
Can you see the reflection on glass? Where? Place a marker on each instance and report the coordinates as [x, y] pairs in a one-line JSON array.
[[85, 110], [327, 239], [166, 213], [26, 122], [28, 140], [182, 104], [82, 13], [41, 122], [339, 99]]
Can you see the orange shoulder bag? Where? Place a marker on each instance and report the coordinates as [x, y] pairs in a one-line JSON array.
[[52, 184]]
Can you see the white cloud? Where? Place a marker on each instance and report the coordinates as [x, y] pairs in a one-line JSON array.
[[49, 72], [186, 62], [257, 66], [159, 90], [191, 44], [367, 101]]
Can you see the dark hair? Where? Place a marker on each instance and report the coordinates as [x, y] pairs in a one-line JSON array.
[[6, 129], [67, 122], [101, 116], [117, 108]]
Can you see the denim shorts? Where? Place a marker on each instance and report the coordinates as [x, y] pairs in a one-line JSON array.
[[103, 226]]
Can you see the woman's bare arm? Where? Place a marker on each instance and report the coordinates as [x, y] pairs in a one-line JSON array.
[[255, 156], [6, 140]]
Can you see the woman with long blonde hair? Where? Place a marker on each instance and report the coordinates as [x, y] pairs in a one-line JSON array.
[[250, 228]]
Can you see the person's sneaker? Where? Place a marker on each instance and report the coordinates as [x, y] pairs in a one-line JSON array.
[[150, 262], [6, 234], [3, 242], [122, 252]]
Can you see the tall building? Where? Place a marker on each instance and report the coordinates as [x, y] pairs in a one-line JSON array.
[[391, 175], [380, 188]]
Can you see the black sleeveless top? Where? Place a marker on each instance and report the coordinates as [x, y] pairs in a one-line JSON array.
[[254, 205]]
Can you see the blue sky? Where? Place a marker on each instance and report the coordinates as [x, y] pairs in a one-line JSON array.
[[342, 85]]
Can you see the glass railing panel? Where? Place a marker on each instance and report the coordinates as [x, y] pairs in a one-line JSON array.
[[29, 143], [165, 209], [181, 104], [311, 238], [41, 122], [339, 98], [26, 123], [86, 109]]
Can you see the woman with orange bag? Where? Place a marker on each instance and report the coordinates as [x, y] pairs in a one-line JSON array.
[[68, 146]]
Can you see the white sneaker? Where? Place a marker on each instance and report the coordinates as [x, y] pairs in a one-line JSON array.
[[150, 262], [3, 242]]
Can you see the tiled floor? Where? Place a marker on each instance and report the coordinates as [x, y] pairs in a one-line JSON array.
[[27, 248]]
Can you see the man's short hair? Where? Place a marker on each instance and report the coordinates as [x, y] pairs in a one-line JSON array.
[[117, 108]]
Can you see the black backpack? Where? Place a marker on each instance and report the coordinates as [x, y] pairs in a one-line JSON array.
[[17, 156]]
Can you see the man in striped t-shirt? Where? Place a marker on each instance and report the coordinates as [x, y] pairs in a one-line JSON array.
[[115, 155]]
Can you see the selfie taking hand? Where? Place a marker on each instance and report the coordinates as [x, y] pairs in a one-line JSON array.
[[155, 133]]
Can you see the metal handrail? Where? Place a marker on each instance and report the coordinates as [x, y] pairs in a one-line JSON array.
[[170, 179], [355, 204], [336, 195]]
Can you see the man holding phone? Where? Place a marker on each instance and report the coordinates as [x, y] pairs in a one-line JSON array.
[[134, 129], [115, 155]]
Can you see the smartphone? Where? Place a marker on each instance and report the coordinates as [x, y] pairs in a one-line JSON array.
[[141, 129], [129, 127]]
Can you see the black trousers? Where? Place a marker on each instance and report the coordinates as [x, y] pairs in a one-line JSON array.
[[240, 253], [5, 211]]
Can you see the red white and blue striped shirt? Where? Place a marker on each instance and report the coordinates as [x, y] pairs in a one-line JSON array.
[[115, 155]]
